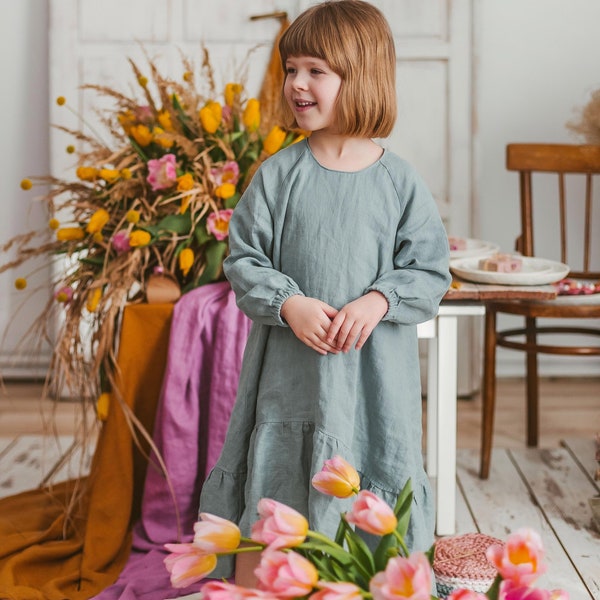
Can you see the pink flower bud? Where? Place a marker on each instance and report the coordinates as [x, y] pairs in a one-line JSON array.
[[279, 526], [520, 560], [337, 478], [187, 564], [408, 578], [337, 591], [286, 574], [372, 514], [214, 534], [466, 595]]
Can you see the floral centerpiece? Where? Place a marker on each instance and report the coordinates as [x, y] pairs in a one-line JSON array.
[[299, 563], [154, 203]]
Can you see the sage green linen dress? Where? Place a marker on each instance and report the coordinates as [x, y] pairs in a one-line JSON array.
[[301, 228]]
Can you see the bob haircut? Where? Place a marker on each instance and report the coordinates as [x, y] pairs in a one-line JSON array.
[[355, 40]]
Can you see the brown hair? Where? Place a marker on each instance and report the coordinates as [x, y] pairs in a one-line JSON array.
[[354, 39]]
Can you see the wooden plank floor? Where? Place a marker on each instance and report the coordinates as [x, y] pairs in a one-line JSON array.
[[546, 489]]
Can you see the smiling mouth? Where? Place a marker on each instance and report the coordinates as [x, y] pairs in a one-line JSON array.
[[304, 104]]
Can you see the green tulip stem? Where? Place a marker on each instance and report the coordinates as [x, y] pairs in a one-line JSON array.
[[401, 543]]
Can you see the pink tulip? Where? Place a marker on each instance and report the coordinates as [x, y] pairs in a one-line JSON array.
[[403, 578], [228, 173], [162, 172], [511, 591], [221, 590], [286, 574], [520, 559], [187, 564], [120, 242], [466, 595], [337, 591], [279, 526], [337, 478], [217, 223], [372, 514], [214, 534]]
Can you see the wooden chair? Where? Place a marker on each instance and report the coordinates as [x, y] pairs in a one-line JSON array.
[[564, 163]]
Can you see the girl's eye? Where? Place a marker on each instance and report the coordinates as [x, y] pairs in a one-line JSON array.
[[290, 70], [316, 71]]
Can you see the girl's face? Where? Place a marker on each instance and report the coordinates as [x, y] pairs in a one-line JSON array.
[[311, 89]]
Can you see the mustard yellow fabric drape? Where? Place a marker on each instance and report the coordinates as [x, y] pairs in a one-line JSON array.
[[44, 556]]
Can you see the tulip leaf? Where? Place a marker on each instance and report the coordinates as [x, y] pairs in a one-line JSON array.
[[214, 258], [339, 554], [359, 549], [339, 534], [179, 224], [201, 234], [403, 507], [183, 118], [92, 260], [386, 548], [232, 201], [138, 149]]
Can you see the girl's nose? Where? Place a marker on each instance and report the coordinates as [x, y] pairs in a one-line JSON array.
[[299, 82]]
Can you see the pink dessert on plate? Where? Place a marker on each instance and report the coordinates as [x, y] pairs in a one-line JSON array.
[[501, 263]]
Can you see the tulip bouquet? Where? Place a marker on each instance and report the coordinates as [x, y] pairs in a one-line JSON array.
[[297, 562], [151, 206]]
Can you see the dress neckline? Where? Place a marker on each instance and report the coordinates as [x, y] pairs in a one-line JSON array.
[[362, 170]]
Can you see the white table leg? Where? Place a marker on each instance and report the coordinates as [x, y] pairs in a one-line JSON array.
[[432, 405], [446, 388]]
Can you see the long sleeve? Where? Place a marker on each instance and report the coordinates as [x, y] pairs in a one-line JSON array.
[[259, 287], [421, 274]]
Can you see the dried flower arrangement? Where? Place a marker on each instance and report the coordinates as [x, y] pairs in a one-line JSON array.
[[587, 123], [154, 203]]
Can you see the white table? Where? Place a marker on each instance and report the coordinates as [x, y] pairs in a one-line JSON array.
[[442, 350]]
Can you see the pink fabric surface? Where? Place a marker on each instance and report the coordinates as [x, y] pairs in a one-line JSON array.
[[207, 339]]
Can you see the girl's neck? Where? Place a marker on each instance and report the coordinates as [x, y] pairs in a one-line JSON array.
[[343, 153]]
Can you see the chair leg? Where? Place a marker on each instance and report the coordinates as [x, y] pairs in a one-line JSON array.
[[532, 385], [488, 392]]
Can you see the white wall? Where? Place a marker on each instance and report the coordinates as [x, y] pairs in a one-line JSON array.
[[536, 62], [24, 142]]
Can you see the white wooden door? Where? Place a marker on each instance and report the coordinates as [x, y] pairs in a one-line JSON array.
[[91, 41]]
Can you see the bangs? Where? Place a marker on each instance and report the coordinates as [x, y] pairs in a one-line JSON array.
[[315, 35]]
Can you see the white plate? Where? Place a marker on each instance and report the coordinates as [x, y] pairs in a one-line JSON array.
[[475, 248], [535, 271]]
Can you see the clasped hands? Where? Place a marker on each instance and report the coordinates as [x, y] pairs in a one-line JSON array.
[[328, 330]]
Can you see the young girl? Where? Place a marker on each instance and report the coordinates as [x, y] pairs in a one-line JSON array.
[[337, 252]]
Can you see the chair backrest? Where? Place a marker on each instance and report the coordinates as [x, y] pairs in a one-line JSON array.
[[562, 160]]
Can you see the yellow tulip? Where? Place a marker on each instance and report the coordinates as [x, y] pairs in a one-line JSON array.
[[231, 91], [93, 299], [210, 116], [161, 138], [225, 190], [132, 216], [251, 116], [102, 406], [186, 260], [164, 120], [97, 221], [185, 182], [109, 175], [125, 173], [69, 234], [141, 134], [274, 140], [87, 173], [139, 238]]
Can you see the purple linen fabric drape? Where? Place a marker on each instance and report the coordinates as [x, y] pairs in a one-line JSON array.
[[207, 339]]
